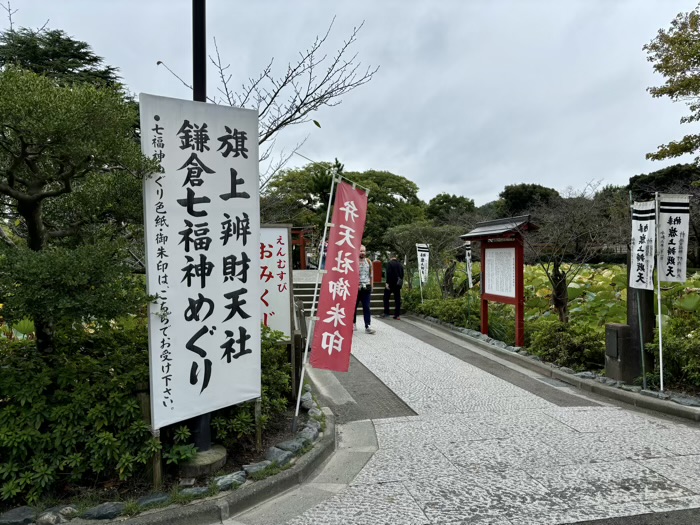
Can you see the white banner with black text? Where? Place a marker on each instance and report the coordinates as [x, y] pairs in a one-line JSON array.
[[423, 261], [642, 245], [674, 219], [202, 228]]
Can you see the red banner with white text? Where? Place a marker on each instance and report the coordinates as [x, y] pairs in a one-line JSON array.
[[336, 305]]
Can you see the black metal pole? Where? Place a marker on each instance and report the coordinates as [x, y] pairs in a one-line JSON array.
[[199, 50], [201, 426]]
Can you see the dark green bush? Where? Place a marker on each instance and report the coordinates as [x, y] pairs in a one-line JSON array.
[[581, 347], [681, 345], [462, 311], [465, 312], [502, 322], [66, 285], [410, 299], [72, 416], [235, 425]]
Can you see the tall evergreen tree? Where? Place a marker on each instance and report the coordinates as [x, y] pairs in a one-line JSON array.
[[54, 54]]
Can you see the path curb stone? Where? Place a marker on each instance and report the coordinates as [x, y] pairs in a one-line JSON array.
[[214, 509], [687, 408]]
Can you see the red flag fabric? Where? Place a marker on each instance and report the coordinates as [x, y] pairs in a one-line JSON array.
[[336, 305]]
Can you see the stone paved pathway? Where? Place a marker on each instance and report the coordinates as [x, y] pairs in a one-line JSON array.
[[483, 451]]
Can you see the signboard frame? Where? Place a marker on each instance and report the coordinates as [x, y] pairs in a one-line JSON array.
[[519, 298]]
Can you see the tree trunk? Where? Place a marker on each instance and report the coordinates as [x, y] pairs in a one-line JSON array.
[[448, 284], [36, 239], [560, 297]]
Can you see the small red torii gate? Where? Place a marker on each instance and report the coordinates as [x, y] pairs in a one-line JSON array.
[[502, 263]]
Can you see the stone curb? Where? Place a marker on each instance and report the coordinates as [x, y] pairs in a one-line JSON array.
[[588, 385], [223, 506]]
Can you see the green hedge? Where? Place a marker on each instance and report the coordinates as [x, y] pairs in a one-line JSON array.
[[73, 417], [577, 346]]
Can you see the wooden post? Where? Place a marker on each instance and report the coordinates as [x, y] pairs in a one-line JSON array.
[[156, 461], [258, 424], [157, 464]]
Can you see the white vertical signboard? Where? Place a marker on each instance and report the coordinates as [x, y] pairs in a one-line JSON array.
[[674, 218], [202, 225], [642, 245], [423, 254], [275, 279]]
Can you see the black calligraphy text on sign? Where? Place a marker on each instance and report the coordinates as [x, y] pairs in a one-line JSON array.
[[642, 245], [423, 258], [160, 217], [674, 212], [196, 238]]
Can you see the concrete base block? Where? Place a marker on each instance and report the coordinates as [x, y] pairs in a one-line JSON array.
[[204, 463]]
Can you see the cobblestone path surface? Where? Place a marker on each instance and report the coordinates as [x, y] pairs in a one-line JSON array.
[[485, 450]]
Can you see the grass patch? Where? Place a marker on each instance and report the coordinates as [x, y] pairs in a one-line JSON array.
[[268, 471], [305, 449], [132, 508], [178, 497]]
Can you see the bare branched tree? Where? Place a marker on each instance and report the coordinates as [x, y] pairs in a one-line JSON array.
[[8, 9], [574, 229], [313, 81]]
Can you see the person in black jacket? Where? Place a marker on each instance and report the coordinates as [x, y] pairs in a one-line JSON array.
[[394, 282]]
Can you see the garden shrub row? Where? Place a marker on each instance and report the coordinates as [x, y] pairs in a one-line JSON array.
[[74, 417]]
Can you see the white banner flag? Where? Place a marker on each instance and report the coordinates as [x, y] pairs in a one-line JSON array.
[[642, 254], [202, 224], [468, 257], [423, 260], [674, 218]]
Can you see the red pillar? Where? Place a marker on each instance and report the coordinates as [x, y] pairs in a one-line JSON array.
[[519, 292], [377, 271], [484, 302]]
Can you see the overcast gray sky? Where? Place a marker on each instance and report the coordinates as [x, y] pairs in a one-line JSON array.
[[471, 95]]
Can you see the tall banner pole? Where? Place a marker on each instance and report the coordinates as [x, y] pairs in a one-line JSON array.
[[658, 293], [468, 257], [313, 316], [631, 258], [641, 337]]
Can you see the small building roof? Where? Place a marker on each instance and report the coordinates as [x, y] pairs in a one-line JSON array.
[[503, 228]]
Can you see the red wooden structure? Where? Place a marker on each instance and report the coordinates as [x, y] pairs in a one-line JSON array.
[[502, 263], [300, 241]]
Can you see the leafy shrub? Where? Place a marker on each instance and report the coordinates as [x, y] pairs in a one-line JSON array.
[[580, 347], [681, 345], [460, 284], [465, 312], [236, 424], [462, 311], [64, 285], [78, 418], [410, 299], [502, 322]]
